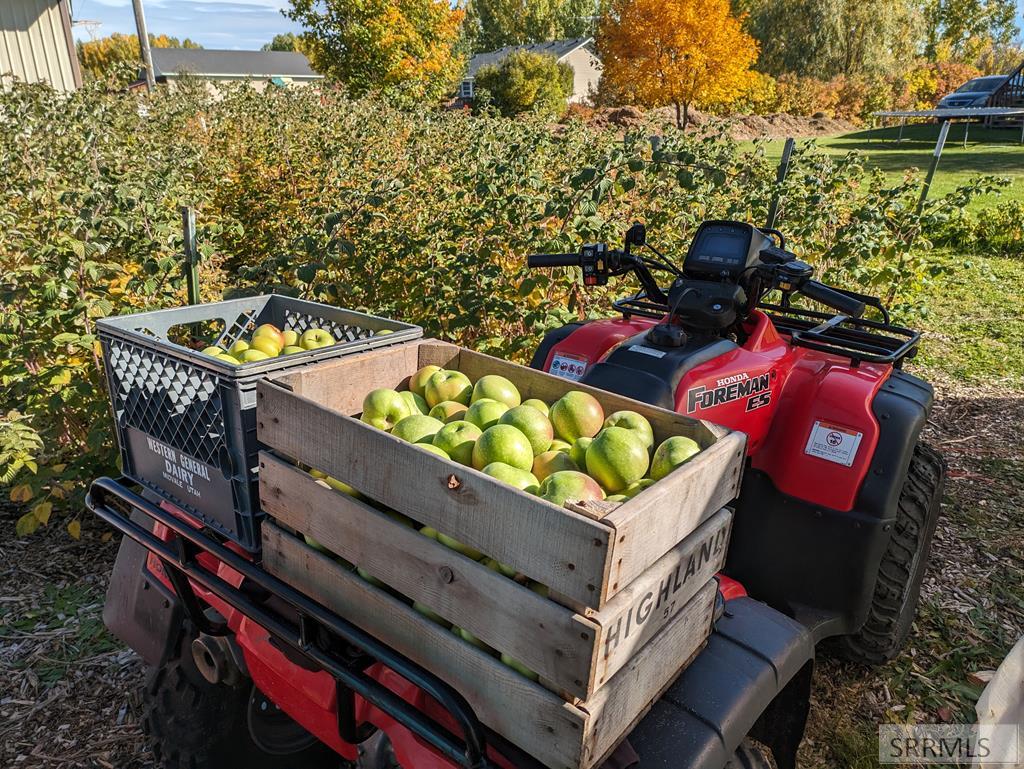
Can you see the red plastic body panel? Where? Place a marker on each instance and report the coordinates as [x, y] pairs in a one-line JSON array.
[[776, 393], [730, 588]]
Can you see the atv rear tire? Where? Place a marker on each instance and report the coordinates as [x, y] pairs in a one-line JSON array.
[[903, 565], [193, 724], [751, 754]]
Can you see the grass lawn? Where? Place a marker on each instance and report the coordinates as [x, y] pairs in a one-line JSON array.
[[989, 152]]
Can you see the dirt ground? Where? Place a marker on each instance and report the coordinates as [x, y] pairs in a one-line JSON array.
[[69, 693], [739, 127]]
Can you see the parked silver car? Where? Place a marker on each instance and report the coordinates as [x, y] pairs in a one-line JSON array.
[[973, 93]]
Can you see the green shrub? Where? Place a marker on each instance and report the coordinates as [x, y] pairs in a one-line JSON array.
[[421, 215], [527, 82]]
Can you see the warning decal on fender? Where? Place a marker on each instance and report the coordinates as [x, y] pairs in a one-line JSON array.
[[834, 443], [568, 366]]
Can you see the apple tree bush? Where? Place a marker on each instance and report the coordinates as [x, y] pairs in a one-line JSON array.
[[421, 215]]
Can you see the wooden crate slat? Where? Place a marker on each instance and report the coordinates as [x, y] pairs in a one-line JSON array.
[[616, 708], [525, 713], [566, 551], [557, 643], [656, 597], [643, 531], [558, 734]]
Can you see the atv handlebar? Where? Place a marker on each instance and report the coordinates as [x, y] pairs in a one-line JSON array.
[[553, 260], [819, 292]]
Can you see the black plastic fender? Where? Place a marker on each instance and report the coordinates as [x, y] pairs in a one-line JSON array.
[[139, 609], [551, 338], [753, 678]]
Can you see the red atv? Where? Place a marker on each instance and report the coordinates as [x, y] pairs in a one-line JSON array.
[[831, 537]]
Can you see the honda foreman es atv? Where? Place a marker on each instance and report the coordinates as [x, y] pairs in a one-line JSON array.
[[830, 540]]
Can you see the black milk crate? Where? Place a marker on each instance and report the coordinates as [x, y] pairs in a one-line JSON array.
[[186, 422]]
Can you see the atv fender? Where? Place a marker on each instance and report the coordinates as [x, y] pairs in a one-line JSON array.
[[140, 609], [753, 678]]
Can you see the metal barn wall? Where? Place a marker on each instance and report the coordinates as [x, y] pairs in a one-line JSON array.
[[36, 43]]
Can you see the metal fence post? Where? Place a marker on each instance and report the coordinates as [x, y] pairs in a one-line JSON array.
[[780, 178], [939, 145], [188, 228]]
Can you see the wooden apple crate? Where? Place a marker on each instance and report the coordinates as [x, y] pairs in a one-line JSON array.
[[632, 580]]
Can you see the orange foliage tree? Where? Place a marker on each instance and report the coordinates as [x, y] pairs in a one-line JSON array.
[[680, 52]]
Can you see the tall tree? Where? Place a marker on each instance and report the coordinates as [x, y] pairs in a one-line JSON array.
[[287, 41], [825, 38], [100, 57], [407, 46], [963, 29], [678, 52], [493, 24]]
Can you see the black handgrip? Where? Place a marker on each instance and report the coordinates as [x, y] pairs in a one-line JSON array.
[[553, 260], [819, 292]]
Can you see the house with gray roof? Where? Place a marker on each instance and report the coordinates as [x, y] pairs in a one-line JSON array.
[[578, 53], [259, 67]]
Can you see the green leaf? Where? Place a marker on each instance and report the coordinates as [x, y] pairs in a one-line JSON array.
[[27, 524]]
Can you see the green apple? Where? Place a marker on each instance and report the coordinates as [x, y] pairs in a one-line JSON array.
[[559, 445], [250, 356], [513, 476], [315, 338], [213, 350], [576, 415], [457, 440], [540, 588], [449, 411], [616, 498], [416, 403], [519, 667], [384, 332], [343, 487], [496, 388], [238, 348], [418, 381], [465, 635], [266, 344], [433, 449], [291, 338], [537, 403], [370, 578], [399, 518], [418, 428], [314, 544], [617, 458], [673, 452], [485, 412], [503, 443], [635, 488], [570, 486], [292, 349], [429, 533], [447, 385], [433, 616], [552, 462], [384, 408], [230, 359], [454, 544], [269, 330], [531, 423], [578, 451], [636, 422], [499, 567]]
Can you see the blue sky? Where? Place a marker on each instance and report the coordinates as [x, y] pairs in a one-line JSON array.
[[237, 24], [241, 24]]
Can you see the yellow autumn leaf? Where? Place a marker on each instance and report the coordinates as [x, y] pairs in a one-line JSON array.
[[75, 529], [42, 512], [26, 525], [22, 493]]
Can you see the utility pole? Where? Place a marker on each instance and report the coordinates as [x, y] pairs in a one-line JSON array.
[[147, 57]]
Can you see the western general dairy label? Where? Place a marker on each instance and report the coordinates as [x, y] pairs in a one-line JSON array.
[[568, 366], [833, 443], [201, 486]]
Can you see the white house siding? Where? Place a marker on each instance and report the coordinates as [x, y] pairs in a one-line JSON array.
[[36, 44], [586, 69]]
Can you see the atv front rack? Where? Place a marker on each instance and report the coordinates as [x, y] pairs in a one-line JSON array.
[[311, 631]]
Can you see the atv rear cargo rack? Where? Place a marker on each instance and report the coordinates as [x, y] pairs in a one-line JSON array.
[[312, 631], [860, 340]]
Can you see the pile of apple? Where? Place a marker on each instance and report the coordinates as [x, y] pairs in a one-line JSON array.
[[562, 452], [268, 341]]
